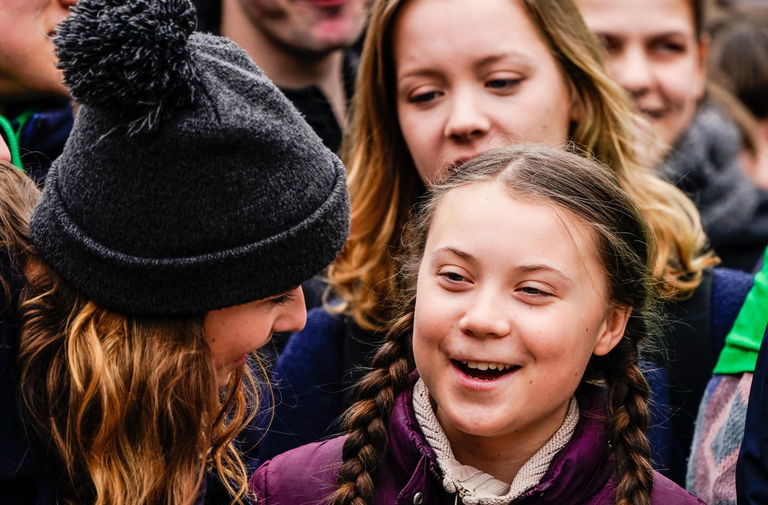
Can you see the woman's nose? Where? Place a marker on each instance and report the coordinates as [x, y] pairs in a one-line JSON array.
[[467, 121]]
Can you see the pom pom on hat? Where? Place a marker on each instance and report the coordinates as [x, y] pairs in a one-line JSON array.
[[129, 56]]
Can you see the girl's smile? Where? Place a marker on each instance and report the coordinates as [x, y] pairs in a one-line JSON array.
[[482, 376]]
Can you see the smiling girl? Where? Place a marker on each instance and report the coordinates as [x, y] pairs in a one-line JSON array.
[[528, 295]]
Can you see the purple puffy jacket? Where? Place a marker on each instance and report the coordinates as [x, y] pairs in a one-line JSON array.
[[582, 473]]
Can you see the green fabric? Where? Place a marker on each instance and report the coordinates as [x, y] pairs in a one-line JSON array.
[[742, 344], [12, 139], [12, 136]]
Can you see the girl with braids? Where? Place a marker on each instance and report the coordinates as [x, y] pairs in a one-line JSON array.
[[522, 71], [168, 244], [527, 296]]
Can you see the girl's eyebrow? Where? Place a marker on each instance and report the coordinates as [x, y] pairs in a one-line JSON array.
[[458, 252], [514, 57], [508, 56], [522, 268], [544, 268], [419, 72]]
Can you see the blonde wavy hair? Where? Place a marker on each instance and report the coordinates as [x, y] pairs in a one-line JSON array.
[[384, 184], [128, 406]]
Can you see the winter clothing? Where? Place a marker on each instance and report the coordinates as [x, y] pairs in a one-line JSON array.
[[38, 135], [184, 183], [582, 473], [189, 183], [315, 374], [477, 487], [752, 466], [718, 436], [310, 100], [21, 480], [316, 108], [743, 341], [705, 164], [693, 338], [720, 423]]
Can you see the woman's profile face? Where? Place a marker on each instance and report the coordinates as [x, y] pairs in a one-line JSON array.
[[472, 76], [234, 332], [652, 51]]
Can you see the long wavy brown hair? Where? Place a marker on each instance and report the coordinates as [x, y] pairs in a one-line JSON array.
[[127, 407], [581, 188], [384, 184]]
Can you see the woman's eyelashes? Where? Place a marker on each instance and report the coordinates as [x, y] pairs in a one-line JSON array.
[[284, 298], [424, 96], [504, 84], [495, 84]]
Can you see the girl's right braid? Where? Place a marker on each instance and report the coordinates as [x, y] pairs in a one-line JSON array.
[[628, 415], [366, 420]]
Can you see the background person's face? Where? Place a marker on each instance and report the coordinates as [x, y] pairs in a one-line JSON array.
[[652, 51], [309, 26], [27, 59], [472, 76]]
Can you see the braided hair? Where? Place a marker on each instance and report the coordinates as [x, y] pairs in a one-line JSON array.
[[588, 190]]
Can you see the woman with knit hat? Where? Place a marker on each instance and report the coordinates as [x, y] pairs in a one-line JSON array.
[[169, 243]]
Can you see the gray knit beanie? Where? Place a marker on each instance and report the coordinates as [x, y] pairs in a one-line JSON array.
[[189, 182]]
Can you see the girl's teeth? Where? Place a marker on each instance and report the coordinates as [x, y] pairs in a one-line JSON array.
[[479, 365]]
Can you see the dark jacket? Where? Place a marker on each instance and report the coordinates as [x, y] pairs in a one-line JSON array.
[[316, 372], [42, 137], [581, 474], [705, 164], [752, 466]]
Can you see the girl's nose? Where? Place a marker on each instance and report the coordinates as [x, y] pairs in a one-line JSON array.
[[466, 121], [485, 318], [293, 315]]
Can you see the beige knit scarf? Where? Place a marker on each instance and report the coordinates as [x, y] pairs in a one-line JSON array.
[[473, 486]]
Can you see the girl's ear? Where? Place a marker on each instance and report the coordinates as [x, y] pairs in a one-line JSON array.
[[613, 330]]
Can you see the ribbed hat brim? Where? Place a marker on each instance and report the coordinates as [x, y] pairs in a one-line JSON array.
[[195, 284]]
